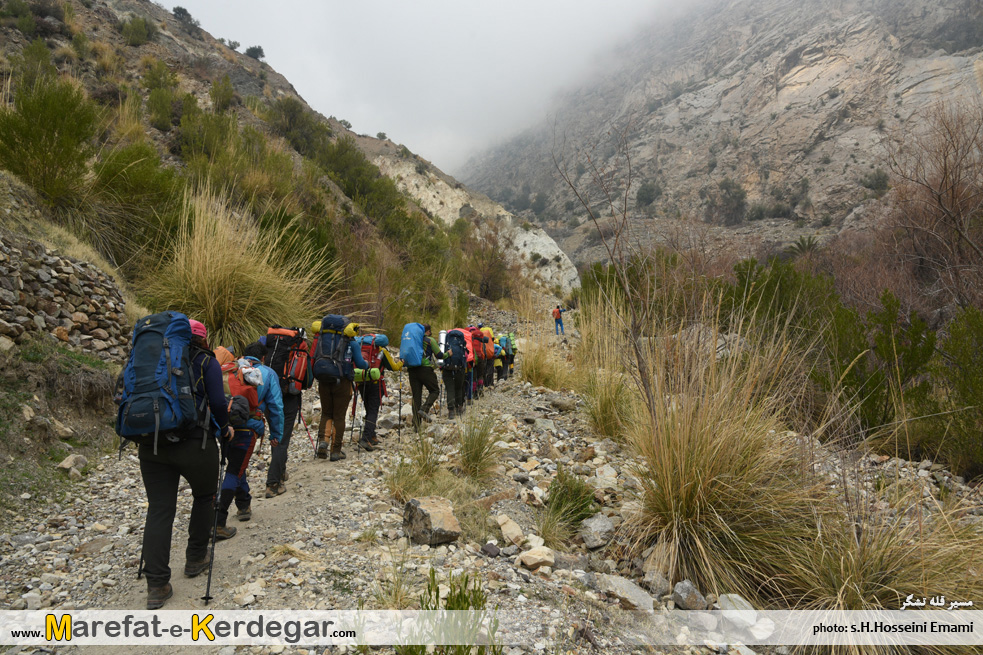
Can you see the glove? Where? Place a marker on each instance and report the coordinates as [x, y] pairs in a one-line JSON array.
[[375, 374]]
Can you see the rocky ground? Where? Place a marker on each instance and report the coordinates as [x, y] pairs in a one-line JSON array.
[[337, 539]]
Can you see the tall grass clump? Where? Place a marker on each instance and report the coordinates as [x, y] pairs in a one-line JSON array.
[[222, 270], [478, 455], [610, 396], [865, 560], [720, 480], [543, 365], [569, 501]]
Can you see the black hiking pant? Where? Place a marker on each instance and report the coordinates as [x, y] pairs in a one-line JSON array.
[[479, 377], [162, 474], [454, 386], [371, 393], [278, 453], [420, 377]]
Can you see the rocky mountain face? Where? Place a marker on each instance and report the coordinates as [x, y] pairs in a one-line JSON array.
[[787, 104], [446, 200]]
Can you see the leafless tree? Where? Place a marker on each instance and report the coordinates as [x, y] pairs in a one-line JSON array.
[[939, 213]]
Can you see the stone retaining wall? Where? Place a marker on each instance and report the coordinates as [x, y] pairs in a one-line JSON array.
[[44, 292]]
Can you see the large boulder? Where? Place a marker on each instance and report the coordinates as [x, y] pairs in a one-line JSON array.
[[630, 595], [431, 520], [597, 531], [535, 557], [688, 597]]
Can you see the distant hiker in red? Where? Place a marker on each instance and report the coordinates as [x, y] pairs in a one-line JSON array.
[[558, 318]]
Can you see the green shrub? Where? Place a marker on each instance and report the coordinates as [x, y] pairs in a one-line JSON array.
[[222, 93], [478, 454], [877, 181], [255, 51], [571, 495], [959, 376], [46, 138], [15, 9], [34, 63], [138, 30], [160, 105], [159, 76], [648, 192], [27, 25], [466, 626], [133, 175]]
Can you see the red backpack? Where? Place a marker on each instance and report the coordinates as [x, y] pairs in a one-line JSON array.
[[288, 354]]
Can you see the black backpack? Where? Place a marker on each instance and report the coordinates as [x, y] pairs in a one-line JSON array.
[[458, 358]]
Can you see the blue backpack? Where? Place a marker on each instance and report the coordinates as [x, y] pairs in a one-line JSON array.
[[411, 344], [456, 343], [156, 396], [333, 357]]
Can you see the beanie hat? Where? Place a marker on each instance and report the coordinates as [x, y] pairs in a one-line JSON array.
[[198, 329]]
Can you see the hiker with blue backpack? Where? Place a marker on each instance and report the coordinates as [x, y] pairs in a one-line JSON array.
[[420, 352], [173, 405], [454, 372], [335, 357]]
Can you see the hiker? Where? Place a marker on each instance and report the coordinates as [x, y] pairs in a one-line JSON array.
[[192, 454], [262, 393], [370, 383], [454, 372], [514, 345], [506, 347], [558, 320], [288, 354], [478, 341], [420, 352], [489, 335], [498, 361], [335, 357]]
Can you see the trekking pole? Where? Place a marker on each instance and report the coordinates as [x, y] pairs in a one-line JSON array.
[[211, 558], [354, 404], [399, 412], [309, 437]]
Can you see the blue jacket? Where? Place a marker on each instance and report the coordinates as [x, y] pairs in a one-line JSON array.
[[270, 401]]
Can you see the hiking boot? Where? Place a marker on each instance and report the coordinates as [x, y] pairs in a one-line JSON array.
[[192, 569], [222, 533], [365, 444], [246, 513], [374, 440], [424, 416], [337, 454], [272, 490], [322, 450], [157, 596]]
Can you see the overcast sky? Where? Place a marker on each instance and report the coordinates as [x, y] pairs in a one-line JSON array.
[[444, 77]]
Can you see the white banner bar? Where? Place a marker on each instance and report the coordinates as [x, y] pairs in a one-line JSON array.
[[498, 627]]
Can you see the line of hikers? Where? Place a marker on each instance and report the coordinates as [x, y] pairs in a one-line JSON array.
[[197, 412]]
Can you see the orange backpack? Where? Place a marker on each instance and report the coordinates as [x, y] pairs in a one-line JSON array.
[[557, 313], [235, 386]]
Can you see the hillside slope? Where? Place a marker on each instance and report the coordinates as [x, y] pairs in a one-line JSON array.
[[794, 101]]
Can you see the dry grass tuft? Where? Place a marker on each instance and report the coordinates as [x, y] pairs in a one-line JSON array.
[[237, 280], [477, 454]]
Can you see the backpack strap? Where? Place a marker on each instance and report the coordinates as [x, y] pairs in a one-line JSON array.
[[201, 405]]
